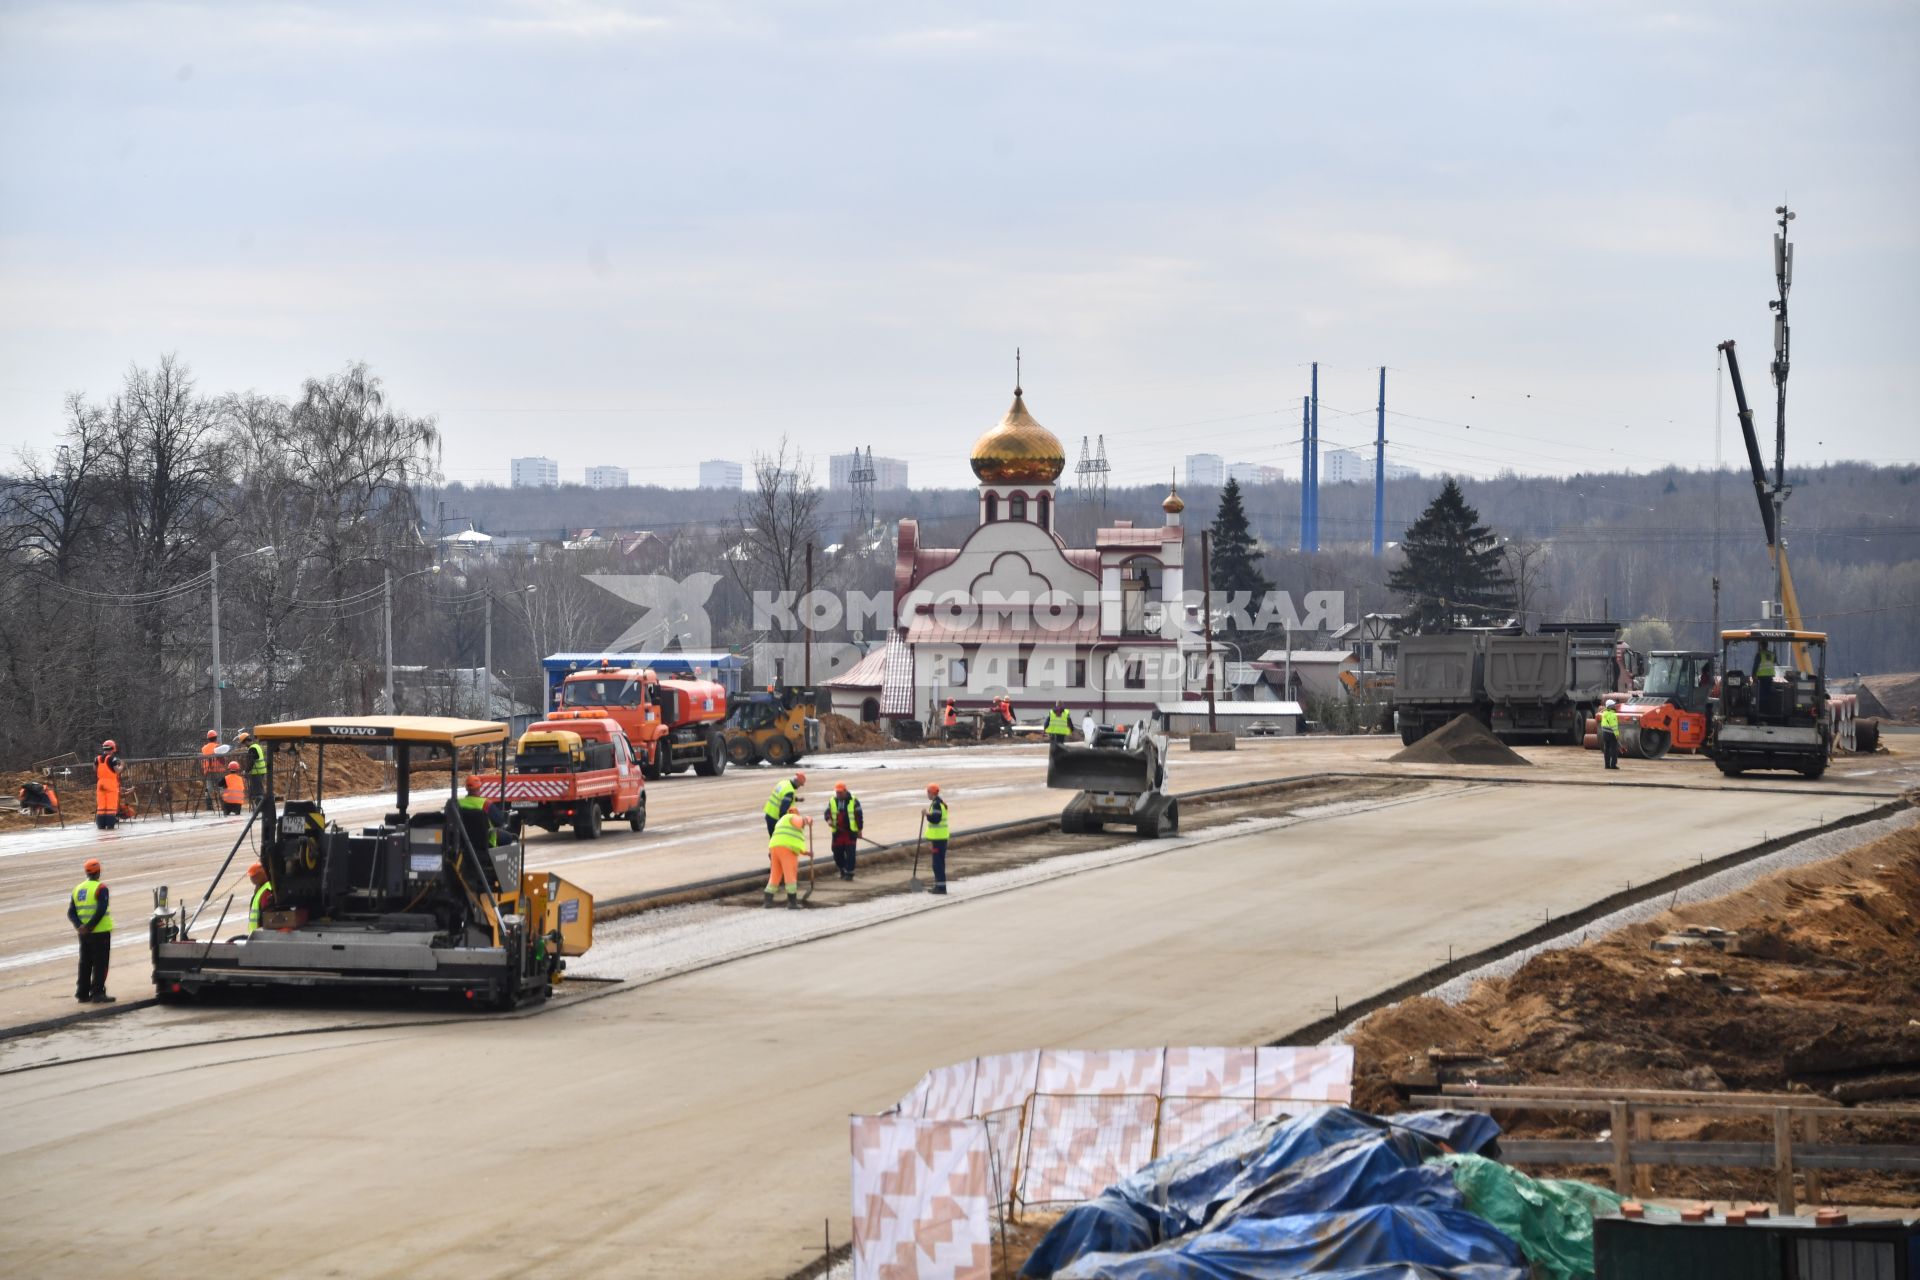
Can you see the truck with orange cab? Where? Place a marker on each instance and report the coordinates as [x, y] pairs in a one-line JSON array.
[[671, 724], [577, 772]]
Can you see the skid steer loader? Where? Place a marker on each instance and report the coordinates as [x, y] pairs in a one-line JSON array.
[[1121, 778]]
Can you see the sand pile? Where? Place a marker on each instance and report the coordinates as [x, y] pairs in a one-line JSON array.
[[1462, 740]]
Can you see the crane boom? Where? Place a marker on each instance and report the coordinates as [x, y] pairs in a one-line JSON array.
[[1789, 598]]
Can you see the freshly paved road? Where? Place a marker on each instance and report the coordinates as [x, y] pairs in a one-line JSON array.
[[697, 1126]]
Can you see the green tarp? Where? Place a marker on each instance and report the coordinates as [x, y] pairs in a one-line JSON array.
[[1551, 1219]]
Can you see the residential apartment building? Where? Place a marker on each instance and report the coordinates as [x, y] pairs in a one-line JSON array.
[[606, 477], [535, 473], [718, 474]]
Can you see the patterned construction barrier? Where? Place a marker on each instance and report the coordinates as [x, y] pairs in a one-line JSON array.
[[1051, 1126]]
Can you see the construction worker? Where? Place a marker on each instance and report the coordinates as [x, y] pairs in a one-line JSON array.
[[475, 802], [87, 910], [785, 843], [786, 793], [937, 830], [254, 758], [106, 787], [233, 789], [949, 718], [1059, 726], [1610, 733], [1763, 668], [262, 895], [843, 824], [38, 797], [211, 772]]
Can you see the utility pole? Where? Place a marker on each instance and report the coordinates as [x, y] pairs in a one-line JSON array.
[[1380, 471], [1782, 341], [1313, 455], [386, 623], [486, 660], [1719, 359], [214, 583], [1206, 615], [806, 630], [1306, 470]]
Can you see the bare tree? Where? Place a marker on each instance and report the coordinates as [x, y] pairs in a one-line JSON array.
[[1524, 558], [776, 520]]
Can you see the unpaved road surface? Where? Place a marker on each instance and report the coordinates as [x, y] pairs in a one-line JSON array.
[[696, 1126]]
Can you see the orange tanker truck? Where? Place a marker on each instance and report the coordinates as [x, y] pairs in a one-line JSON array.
[[672, 724]]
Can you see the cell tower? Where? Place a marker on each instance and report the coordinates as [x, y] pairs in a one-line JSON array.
[[860, 480]]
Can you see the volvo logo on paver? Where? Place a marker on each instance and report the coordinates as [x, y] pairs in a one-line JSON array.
[[349, 730]]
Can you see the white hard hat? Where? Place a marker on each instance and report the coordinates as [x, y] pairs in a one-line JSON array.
[[1612, 703]]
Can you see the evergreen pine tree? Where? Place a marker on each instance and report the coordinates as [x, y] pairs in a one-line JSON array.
[[1453, 574], [1236, 556]]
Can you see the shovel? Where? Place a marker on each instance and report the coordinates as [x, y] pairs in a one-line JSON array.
[[809, 893], [914, 882]]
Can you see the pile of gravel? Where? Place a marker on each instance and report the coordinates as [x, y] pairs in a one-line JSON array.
[[1462, 740]]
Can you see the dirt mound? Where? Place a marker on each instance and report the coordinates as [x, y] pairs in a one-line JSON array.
[[843, 732], [1462, 740], [1817, 993], [1898, 694]]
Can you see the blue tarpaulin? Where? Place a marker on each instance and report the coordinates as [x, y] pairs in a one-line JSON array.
[[1315, 1244], [1322, 1161]]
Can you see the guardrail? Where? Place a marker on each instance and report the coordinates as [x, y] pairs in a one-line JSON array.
[[1630, 1148]]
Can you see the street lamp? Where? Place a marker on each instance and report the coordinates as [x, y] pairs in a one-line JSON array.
[[213, 582]]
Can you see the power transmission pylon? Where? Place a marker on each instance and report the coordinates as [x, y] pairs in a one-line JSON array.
[[860, 480]]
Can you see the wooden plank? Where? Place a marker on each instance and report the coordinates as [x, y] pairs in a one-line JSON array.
[[1810, 1133], [1604, 1103], [1622, 1149], [1886, 1157], [1783, 1161], [1642, 1133], [1636, 1095]]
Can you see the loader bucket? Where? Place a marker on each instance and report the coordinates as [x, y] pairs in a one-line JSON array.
[[1076, 767]]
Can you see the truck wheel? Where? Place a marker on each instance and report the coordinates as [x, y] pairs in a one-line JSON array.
[[637, 816], [651, 766], [1728, 768], [1812, 772], [716, 762], [778, 751], [1409, 736], [586, 822], [741, 751]]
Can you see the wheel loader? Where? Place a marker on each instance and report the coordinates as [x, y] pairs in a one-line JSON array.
[[1121, 778]]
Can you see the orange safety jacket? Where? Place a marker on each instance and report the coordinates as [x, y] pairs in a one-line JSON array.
[[233, 789], [106, 784]]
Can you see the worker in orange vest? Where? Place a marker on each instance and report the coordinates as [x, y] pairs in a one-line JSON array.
[[233, 789], [949, 718], [788, 842], [210, 770], [106, 787]]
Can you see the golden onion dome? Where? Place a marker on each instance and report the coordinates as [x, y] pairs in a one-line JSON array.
[[1019, 450], [1173, 504]]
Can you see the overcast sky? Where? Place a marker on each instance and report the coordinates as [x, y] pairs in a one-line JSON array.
[[644, 234]]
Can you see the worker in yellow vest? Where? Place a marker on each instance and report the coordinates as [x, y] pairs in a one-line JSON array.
[[262, 896], [843, 829], [1610, 733], [87, 912], [784, 847], [786, 795], [1059, 726], [938, 829]]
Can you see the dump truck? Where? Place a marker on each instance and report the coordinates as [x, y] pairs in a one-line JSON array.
[[671, 724], [777, 724], [430, 899], [1773, 711], [1121, 778], [577, 772], [1522, 686]]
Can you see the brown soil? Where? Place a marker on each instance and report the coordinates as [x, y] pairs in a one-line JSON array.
[[1462, 740], [1898, 693], [844, 733], [1821, 996]]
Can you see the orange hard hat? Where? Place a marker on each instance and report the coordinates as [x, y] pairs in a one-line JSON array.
[[839, 786], [933, 788], [109, 745], [93, 866], [799, 779], [233, 766], [256, 872], [473, 783], [213, 735]]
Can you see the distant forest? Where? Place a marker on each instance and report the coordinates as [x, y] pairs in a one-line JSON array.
[[1601, 545]]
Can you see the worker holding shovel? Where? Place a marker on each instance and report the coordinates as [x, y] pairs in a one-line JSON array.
[[788, 842]]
